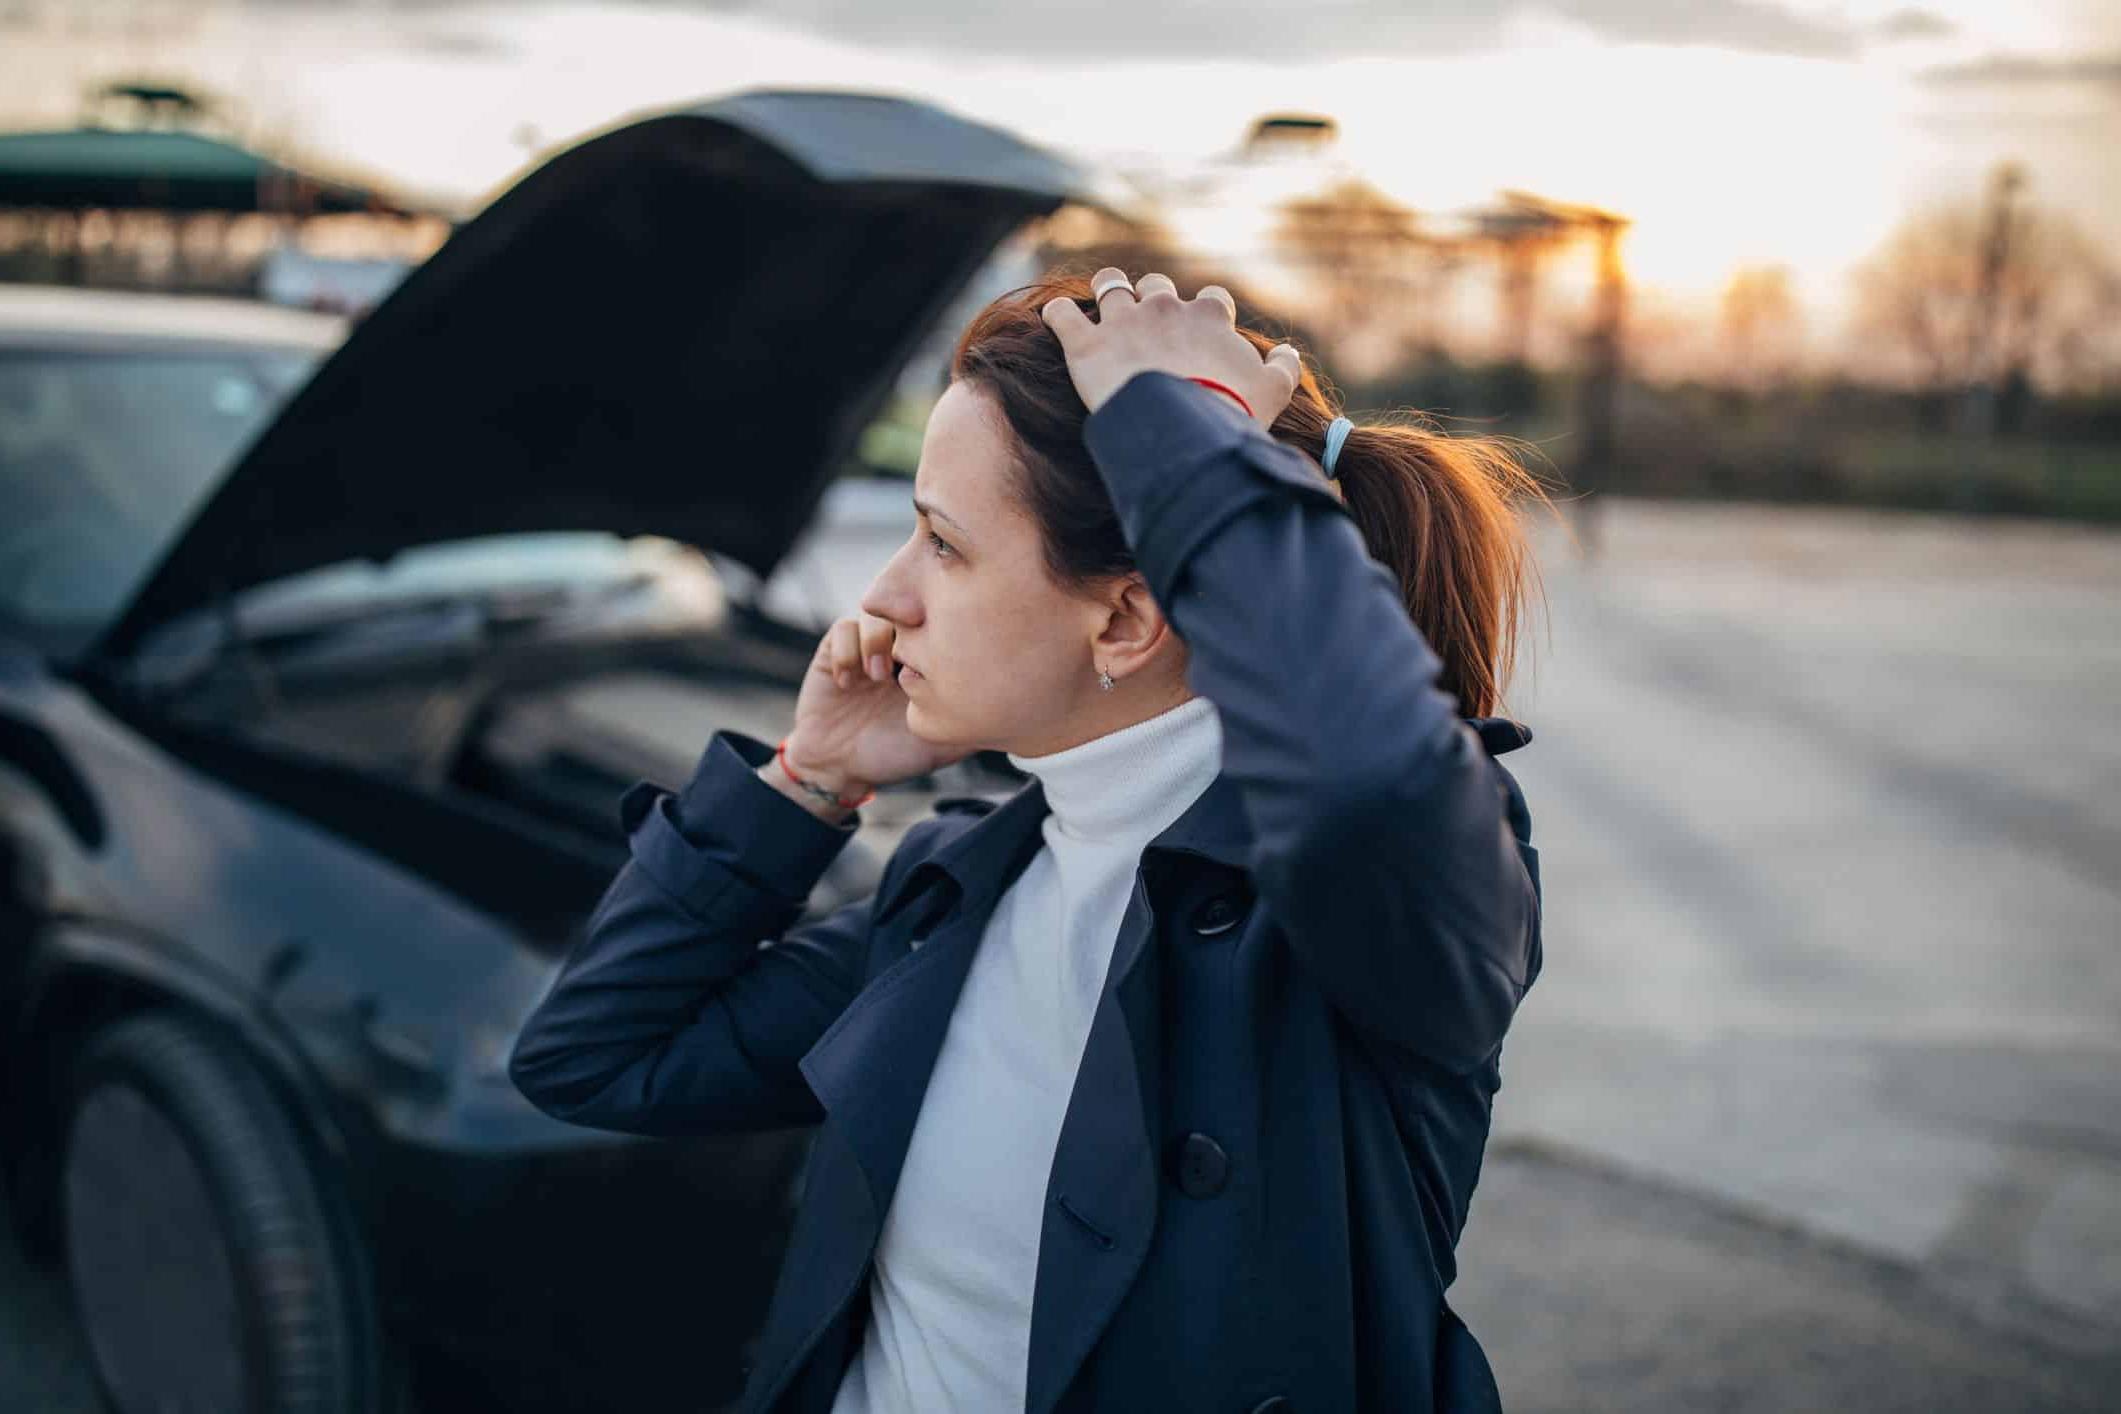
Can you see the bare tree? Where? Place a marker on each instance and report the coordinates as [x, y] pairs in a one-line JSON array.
[[1973, 296], [1760, 327], [1361, 257]]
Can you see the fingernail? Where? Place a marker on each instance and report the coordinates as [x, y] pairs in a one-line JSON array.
[[877, 669]]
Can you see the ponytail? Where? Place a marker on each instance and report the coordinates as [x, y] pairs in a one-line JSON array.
[[1442, 514]]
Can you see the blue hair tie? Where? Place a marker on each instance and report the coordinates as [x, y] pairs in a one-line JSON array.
[[1335, 436]]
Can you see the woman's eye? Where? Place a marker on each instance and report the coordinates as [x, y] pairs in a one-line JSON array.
[[941, 545]]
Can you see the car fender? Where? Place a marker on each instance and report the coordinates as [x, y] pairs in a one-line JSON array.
[[86, 975]]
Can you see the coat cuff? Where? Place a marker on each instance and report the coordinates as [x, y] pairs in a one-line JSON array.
[[1179, 460], [726, 824]]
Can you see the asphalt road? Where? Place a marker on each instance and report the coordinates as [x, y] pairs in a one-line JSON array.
[[1829, 807], [1594, 1290], [1817, 1103]]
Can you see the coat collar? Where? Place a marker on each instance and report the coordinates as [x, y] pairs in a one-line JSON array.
[[983, 859], [977, 865]]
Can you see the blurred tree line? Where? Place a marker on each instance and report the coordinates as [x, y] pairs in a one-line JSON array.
[[1978, 367]]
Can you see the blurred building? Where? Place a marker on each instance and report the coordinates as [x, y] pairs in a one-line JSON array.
[[155, 189]]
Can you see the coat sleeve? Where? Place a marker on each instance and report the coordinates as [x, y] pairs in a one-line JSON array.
[[668, 1016], [1386, 839]]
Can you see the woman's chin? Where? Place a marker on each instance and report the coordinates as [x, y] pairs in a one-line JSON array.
[[925, 726]]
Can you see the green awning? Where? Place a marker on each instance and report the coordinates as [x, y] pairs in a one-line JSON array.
[[171, 171]]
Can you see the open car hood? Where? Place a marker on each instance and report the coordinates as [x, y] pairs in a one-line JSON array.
[[678, 327]]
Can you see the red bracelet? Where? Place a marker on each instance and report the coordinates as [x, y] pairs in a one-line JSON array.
[[1226, 390], [780, 754]]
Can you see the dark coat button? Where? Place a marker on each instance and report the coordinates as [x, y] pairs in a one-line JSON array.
[[1274, 1404], [1218, 914], [1200, 1166]]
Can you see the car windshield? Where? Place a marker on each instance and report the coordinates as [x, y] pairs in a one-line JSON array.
[[104, 458]]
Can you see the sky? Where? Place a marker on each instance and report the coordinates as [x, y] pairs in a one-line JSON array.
[[1733, 132]]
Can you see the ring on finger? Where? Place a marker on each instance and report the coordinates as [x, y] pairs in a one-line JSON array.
[[1100, 288]]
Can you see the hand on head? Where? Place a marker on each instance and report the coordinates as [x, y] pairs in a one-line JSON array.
[[1144, 326]]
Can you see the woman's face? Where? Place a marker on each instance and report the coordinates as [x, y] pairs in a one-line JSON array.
[[1006, 659]]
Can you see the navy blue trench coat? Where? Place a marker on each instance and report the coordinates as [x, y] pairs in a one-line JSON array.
[[1279, 1118]]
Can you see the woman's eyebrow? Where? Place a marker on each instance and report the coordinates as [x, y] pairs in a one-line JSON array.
[[935, 513]]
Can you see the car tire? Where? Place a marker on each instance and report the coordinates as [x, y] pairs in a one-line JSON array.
[[207, 1268]]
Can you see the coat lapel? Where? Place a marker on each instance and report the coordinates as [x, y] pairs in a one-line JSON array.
[[1101, 1197], [1102, 1200], [870, 1069], [870, 1072]]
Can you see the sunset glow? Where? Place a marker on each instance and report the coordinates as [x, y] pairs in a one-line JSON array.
[[1722, 158]]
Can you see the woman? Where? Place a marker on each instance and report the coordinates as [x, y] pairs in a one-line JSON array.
[[1162, 1085]]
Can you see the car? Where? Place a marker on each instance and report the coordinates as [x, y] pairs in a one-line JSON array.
[[325, 654]]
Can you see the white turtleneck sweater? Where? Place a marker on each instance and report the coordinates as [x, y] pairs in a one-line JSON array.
[[950, 1299]]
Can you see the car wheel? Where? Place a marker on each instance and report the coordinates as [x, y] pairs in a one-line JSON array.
[[199, 1238]]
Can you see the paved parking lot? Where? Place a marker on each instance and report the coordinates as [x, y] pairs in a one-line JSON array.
[[1830, 811]]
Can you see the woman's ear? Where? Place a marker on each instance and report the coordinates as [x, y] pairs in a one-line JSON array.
[[1135, 627]]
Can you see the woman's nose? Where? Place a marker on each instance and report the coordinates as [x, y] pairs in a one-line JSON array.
[[885, 598]]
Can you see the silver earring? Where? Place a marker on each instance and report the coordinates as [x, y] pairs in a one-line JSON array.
[[1104, 680]]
